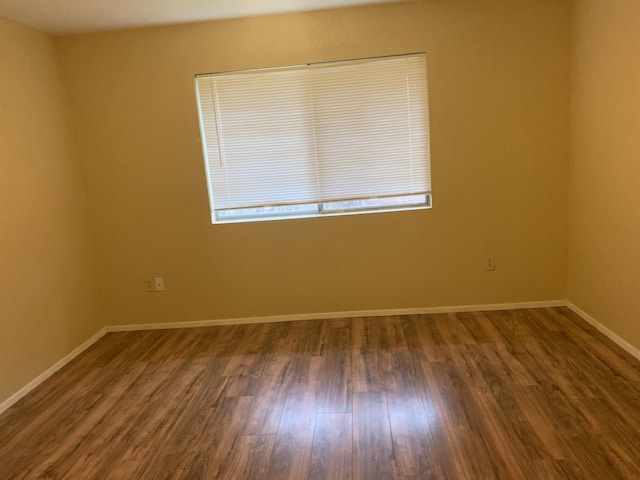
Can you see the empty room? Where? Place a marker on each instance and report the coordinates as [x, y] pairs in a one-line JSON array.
[[189, 290]]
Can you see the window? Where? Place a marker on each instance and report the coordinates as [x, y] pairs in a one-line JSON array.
[[314, 140]]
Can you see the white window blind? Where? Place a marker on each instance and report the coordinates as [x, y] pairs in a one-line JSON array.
[[316, 139]]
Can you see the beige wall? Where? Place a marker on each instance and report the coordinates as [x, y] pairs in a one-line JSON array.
[[46, 299], [499, 88], [604, 233], [499, 116]]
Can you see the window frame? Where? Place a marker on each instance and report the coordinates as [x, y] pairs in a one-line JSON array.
[[321, 207]]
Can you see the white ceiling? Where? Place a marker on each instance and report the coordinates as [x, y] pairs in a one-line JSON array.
[[80, 16]]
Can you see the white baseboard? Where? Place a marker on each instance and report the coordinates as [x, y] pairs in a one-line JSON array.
[[51, 370], [305, 316], [600, 327], [320, 316]]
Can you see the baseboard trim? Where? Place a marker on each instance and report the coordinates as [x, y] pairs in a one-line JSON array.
[[604, 330], [320, 316], [5, 405]]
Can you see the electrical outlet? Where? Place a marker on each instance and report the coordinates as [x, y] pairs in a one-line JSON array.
[[489, 263], [159, 284], [149, 285]]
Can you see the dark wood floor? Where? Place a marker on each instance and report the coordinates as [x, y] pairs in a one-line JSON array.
[[525, 394]]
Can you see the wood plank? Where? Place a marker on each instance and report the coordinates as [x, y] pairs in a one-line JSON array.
[[332, 452], [414, 450], [332, 372], [250, 458], [372, 447], [291, 456], [268, 400]]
